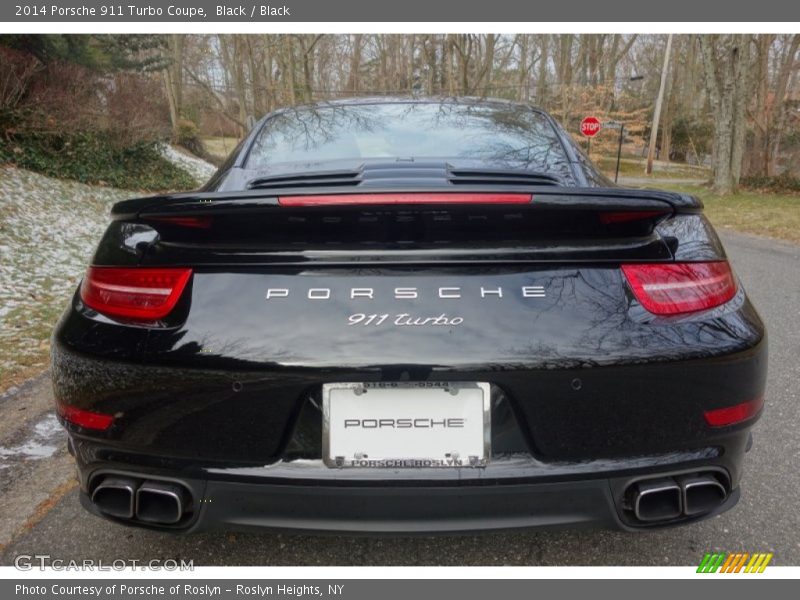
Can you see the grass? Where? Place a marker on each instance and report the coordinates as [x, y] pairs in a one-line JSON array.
[[220, 147], [771, 215], [775, 215], [48, 229], [634, 167], [28, 340]]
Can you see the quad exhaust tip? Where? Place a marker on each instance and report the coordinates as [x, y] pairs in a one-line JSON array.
[[160, 502], [657, 500], [115, 496], [148, 501], [701, 494], [667, 498]]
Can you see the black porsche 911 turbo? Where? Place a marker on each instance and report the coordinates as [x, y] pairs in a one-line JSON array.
[[409, 316]]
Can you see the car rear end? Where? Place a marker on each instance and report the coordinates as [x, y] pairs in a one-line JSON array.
[[420, 349]]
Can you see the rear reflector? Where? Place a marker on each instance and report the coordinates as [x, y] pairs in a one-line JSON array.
[[404, 198], [84, 418], [133, 293], [730, 415], [613, 217], [669, 289], [193, 222]]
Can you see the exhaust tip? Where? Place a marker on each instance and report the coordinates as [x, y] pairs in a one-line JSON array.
[[115, 496], [657, 500], [702, 494], [160, 502]]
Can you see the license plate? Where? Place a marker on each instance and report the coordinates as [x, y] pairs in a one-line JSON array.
[[406, 425]]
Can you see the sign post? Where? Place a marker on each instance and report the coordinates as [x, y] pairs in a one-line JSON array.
[[590, 127], [621, 127]]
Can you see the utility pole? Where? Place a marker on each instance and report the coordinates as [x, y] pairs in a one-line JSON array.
[[657, 114]]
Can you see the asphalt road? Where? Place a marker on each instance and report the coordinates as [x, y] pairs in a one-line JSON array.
[[40, 514]]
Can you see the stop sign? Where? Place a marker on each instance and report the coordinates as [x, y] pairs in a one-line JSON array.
[[591, 126]]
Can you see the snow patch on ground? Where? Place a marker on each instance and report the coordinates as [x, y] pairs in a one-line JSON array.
[[198, 168], [48, 231], [45, 440]]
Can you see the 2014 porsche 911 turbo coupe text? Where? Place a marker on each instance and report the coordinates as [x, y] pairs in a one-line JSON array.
[[409, 316]]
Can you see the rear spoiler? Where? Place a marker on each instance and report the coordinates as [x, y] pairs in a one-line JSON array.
[[542, 197]]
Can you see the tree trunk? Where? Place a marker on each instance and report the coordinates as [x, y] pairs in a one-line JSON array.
[[355, 63], [484, 77], [173, 82], [756, 158], [541, 79], [726, 61], [411, 84], [256, 82], [657, 111], [239, 79], [781, 106], [307, 46], [523, 90], [289, 70], [269, 84], [669, 105], [448, 66], [564, 82], [462, 44]]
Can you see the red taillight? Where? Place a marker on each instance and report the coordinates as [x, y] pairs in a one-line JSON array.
[[140, 294], [84, 418], [730, 415], [404, 198], [669, 289]]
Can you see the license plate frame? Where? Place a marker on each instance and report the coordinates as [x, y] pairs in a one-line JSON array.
[[428, 399]]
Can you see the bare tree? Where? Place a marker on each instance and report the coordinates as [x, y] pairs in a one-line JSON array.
[[173, 81], [355, 63], [735, 94], [776, 61], [726, 60]]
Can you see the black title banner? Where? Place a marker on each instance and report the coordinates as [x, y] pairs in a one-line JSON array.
[[475, 11]]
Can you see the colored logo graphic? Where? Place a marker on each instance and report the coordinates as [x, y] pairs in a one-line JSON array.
[[740, 562]]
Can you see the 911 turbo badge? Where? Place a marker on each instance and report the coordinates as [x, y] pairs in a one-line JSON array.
[[403, 320], [407, 293]]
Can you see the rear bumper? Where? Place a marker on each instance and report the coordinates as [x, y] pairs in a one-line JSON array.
[[240, 506], [409, 510], [508, 494], [415, 510]]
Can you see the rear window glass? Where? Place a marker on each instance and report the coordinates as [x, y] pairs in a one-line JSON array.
[[506, 136]]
